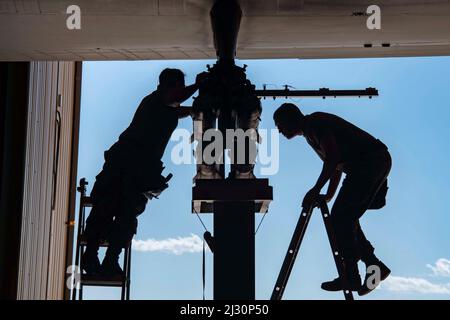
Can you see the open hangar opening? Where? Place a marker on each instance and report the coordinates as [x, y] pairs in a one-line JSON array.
[[41, 73]]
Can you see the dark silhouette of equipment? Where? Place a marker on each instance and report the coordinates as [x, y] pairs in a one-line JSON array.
[[225, 22], [228, 100], [294, 247], [209, 239], [321, 93], [122, 282]]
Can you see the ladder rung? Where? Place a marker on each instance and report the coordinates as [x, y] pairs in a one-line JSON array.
[[83, 242], [103, 243], [96, 280], [86, 201]]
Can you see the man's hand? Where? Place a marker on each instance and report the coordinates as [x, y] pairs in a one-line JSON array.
[[201, 77], [182, 94], [311, 198], [162, 184], [184, 112]]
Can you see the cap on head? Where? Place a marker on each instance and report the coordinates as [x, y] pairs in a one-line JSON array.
[[169, 78]]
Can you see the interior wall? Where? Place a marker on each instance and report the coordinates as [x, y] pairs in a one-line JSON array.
[[47, 181]]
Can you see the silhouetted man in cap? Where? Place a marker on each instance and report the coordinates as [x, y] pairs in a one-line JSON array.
[[132, 168], [343, 147]]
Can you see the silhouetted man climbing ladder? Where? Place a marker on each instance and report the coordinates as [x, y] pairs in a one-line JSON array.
[[343, 147]]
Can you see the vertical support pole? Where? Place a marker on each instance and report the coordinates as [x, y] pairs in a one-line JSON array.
[[234, 252], [128, 274], [73, 175], [223, 122]]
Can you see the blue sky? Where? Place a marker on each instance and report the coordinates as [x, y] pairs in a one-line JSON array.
[[411, 116]]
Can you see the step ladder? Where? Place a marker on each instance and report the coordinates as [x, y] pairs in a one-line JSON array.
[[122, 282], [294, 247]]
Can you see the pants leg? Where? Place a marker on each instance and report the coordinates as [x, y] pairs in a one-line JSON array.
[[365, 248], [131, 203], [104, 203], [118, 198], [357, 191]]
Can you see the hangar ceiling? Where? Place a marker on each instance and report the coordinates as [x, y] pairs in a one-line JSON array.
[[180, 29]]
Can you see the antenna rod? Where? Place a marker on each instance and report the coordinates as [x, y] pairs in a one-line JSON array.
[[323, 92]]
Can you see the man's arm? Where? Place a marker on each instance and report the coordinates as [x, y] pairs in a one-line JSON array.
[[332, 157], [187, 92], [334, 183], [182, 94]]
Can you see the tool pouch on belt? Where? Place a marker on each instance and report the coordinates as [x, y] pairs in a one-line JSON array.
[[142, 168], [148, 175]]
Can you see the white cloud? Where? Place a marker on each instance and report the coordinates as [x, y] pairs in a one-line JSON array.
[[441, 268], [177, 246], [414, 285]]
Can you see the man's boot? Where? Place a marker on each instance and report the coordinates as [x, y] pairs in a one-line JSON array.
[[89, 260], [353, 278], [376, 271], [110, 265]]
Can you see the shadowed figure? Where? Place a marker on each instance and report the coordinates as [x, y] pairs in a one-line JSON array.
[[132, 169], [365, 160]]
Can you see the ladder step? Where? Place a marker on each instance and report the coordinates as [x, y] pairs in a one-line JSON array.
[[96, 280], [103, 243], [86, 201]]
